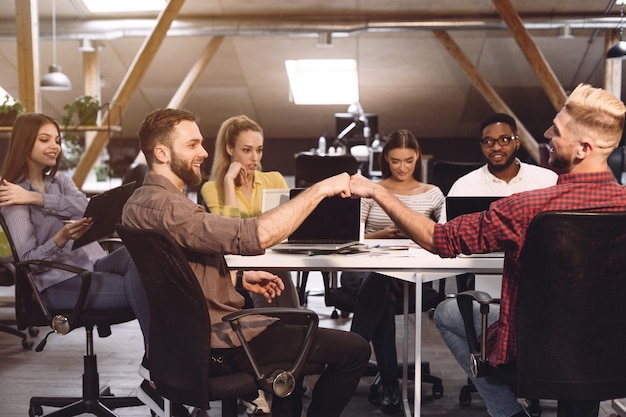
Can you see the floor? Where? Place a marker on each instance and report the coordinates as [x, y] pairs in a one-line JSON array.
[[57, 369]]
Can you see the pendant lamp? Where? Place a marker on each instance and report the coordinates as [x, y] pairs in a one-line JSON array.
[[55, 80]]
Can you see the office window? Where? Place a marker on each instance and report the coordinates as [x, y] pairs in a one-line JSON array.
[[124, 6], [323, 81]]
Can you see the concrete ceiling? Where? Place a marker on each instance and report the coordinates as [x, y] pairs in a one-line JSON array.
[[406, 76]]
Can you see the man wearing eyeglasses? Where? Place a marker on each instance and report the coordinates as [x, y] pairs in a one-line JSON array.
[[504, 174]]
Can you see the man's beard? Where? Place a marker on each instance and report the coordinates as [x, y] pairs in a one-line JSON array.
[[185, 172], [502, 167], [559, 163]]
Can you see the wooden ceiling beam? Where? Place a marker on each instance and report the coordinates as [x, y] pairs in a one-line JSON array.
[[127, 87], [487, 91], [537, 61], [182, 94]]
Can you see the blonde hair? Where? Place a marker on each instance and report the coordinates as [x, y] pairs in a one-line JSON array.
[[598, 114], [227, 135]]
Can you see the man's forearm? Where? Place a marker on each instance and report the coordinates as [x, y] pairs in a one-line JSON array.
[[417, 227], [275, 225]]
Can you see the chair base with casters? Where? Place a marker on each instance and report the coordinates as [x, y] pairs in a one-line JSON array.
[[31, 311], [465, 399], [96, 400], [427, 378]]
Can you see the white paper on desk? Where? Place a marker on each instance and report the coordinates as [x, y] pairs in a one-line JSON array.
[[402, 253]]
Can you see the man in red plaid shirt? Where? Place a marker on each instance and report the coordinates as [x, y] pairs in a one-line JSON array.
[[582, 136]]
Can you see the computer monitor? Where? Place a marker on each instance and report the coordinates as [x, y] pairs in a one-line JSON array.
[[355, 136]]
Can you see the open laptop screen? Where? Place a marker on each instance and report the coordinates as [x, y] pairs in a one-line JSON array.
[[335, 219]]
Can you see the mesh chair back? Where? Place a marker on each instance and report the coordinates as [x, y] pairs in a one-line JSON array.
[[571, 314]]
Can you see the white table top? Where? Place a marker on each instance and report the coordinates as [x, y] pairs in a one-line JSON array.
[[384, 258]]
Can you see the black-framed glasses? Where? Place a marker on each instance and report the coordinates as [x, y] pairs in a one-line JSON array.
[[502, 140]]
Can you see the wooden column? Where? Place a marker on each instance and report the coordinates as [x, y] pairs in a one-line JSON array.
[[612, 67], [27, 34]]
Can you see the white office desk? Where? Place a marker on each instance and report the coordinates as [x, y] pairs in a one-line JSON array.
[[414, 265]]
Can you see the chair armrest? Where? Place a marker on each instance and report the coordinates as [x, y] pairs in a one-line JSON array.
[[478, 350], [109, 244], [85, 277], [289, 315]]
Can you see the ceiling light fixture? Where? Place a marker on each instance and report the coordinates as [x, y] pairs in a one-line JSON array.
[[618, 51], [55, 80]]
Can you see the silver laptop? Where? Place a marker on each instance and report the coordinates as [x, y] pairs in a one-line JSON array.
[[335, 224]]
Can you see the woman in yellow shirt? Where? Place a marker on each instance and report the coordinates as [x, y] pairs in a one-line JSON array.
[[236, 185], [236, 189]]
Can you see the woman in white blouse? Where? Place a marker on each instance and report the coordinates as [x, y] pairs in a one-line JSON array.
[[379, 296]]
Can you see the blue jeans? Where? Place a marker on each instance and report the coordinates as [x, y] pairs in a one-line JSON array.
[[497, 396], [115, 283]]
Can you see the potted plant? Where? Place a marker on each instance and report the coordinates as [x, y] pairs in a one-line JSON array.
[[83, 111], [102, 172], [9, 110]]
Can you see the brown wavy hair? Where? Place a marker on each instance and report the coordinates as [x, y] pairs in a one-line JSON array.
[[23, 137]]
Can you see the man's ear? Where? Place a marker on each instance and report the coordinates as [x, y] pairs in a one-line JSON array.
[[583, 149], [162, 153]]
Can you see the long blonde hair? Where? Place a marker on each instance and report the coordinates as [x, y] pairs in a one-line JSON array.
[[227, 135]]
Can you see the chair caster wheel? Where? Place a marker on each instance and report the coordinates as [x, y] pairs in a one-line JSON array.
[[437, 391], [465, 397], [33, 331], [35, 410], [27, 344], [334, 314]]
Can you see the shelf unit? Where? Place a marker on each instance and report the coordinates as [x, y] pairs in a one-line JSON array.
[[112, 128]]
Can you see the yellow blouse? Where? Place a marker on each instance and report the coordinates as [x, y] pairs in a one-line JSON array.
[[245, 208]]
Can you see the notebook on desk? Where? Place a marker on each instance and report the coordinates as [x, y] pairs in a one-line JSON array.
[[457, 206], [335, 224], [106, 211]]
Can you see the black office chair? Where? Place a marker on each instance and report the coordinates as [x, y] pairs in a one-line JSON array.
[[7, 279], [309, 169], [444, 173], [617, 162], [30, 310], [570, 311], [180, 331], [135, 172]]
